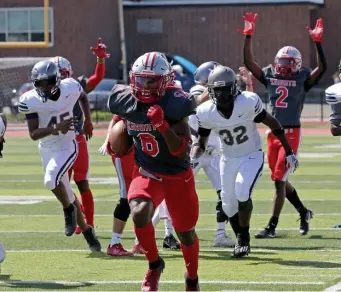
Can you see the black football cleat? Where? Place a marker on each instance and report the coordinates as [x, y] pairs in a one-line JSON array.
[[92, 239], [70, 220], [191, 285], [170, 242], [304, 221], [267, 232], [242, 247]]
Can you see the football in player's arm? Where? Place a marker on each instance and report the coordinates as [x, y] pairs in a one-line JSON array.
[[3, 126]]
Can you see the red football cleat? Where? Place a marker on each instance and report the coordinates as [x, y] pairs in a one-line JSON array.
[[78, 230], [151, 279], [138, 249], [117, 250]]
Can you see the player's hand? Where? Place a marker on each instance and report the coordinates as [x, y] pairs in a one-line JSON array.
[[2, 141], [291, 162], [87, 129], [249, 23], [196, 153], [245, 75], [66, 125], [157, 117], [101, 50], [317, 32], [103, 148]]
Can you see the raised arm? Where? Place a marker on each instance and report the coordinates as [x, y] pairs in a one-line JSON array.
[[249, 29], [317, 73], [101, 52]]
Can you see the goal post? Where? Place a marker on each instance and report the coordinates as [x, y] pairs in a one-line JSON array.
[[43, 44]]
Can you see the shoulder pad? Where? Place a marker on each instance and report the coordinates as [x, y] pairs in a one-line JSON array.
[[26, 102], [120, 100], [180, 105], [333, 94], [305, 71], [253, 102], [203, 113], [82, 81]]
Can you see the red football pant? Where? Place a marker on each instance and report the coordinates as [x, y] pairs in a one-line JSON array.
[[276, 153], [80, 173], [124, 168]]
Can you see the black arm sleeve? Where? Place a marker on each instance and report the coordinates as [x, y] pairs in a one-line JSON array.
[[204, 132], [260, 117], [32, 116]]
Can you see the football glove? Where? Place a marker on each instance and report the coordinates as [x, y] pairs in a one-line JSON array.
[[249, 23], [291, 162], [317, 32], [157, 117], [103, 148]]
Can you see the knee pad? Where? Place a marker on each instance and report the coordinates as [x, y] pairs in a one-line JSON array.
[[122, 210], [230, 204], [50, 184], [246, 206]]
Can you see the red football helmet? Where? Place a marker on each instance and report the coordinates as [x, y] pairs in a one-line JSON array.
[[150, 75], [288, 61]]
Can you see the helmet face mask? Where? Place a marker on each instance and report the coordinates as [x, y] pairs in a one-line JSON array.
[[223, 97], [64, 67], [288, 61], [150, 75]]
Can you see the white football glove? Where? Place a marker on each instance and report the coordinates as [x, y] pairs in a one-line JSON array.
[[291, 162], [195, 163], [103, 148]]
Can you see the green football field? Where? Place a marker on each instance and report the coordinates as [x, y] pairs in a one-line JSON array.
[[41, 257]]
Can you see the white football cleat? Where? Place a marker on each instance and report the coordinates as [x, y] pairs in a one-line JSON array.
[[222, 240]]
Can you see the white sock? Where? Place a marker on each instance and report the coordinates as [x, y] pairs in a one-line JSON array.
[[156, 218], [221, 228], [136, 241], [168, 227], [115, 238]]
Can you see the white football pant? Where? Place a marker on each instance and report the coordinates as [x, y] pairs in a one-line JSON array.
[[239, 176], [56, 164]]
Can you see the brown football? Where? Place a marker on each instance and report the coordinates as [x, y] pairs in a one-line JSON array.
[[120, 141]]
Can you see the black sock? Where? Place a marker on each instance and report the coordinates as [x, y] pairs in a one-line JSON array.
[[244, 229], [70, 208], [155, 265], [273, 222], [295, 201], [234, 222]]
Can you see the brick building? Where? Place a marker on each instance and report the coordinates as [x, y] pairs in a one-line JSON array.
[[196, 29]]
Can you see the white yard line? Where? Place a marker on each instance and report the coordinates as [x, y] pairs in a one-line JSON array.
[[336, 287], [300, 275], [308, 268], [162, 282]]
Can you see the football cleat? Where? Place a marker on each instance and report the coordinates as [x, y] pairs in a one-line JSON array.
[[117, 250], [138, 249], [92, 239], [304, 222], [267, 232], [70, 221], [222, 240], [170, 242], [242, 247], [337, 226], [152, 278], [191, 285]]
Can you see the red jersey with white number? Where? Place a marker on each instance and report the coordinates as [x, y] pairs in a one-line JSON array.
[[286, 95], [151, 150]]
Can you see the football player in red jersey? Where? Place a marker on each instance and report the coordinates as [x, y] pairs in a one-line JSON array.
[[80, 168], [287, 83], [156, 117], [3, 126]]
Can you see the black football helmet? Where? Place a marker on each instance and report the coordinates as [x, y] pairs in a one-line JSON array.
[[45, 77], [222, 88], [202, 72]]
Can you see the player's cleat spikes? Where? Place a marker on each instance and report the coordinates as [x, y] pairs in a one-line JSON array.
[[151, 279], [70, 217], [242, 247], [337, 226], [222, 240], [267, 232], [92, 239], [170, 242], [117, 250], [138, 249], [191, 285], [304, 221], [78, 230]]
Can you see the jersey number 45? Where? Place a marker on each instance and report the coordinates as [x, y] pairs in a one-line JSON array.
[[57, 119]]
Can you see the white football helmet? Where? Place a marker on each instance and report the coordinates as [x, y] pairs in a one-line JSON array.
[[150, 75], [288, 61], [64, 66]]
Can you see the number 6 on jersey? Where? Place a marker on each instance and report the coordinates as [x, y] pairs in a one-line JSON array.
[[283, 94], [149, 144]]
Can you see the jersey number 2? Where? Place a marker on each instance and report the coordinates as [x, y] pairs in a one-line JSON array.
[[149, 144], [283, 94]]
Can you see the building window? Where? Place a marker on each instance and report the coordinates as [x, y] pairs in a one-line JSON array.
[[24, 25]]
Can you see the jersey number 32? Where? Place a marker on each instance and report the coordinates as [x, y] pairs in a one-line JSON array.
[[283, 94]]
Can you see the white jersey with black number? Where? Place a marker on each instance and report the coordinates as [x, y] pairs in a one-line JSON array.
[[213, 140], [53, 112], [2, 127], [238, 134]]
